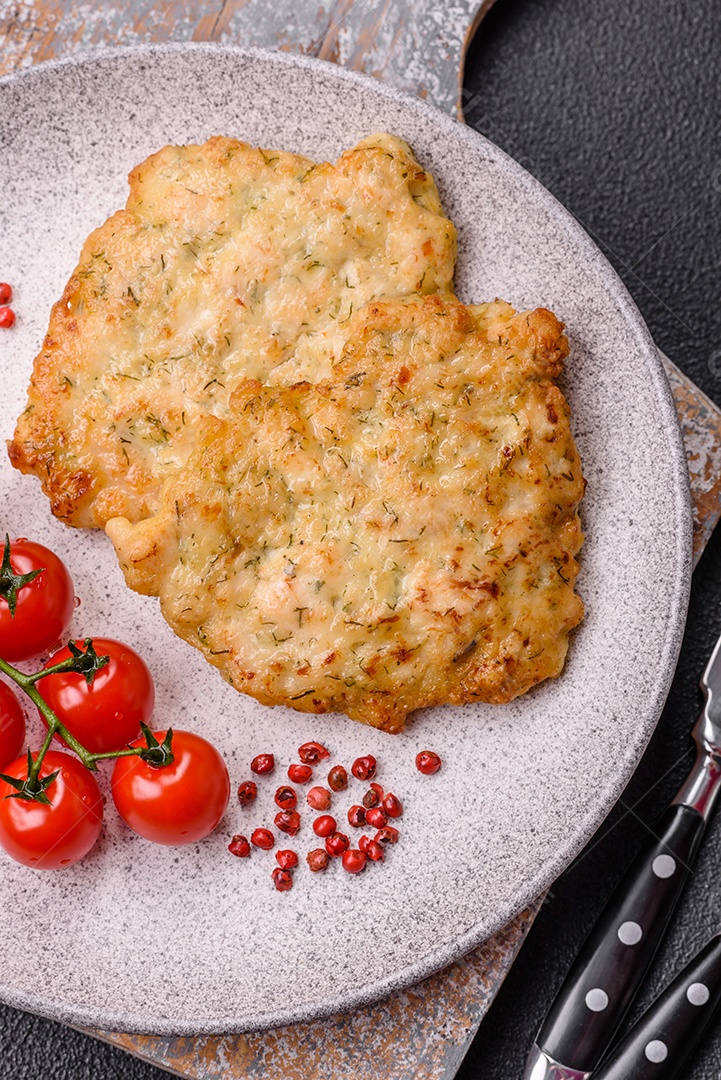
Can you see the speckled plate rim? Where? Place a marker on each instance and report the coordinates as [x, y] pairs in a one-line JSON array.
[[608, 795]]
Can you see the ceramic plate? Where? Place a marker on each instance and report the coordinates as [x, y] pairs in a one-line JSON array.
[[190, 940]]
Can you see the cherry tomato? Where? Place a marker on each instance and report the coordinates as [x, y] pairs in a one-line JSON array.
[[44, 606], [177, 803], [7, 318], [106, 714], [51, 837], [12, 725]]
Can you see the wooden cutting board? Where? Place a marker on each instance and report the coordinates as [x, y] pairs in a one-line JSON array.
[[418, 45]]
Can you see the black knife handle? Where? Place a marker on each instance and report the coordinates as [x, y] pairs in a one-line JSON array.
[[659, 1045], [617, 953]]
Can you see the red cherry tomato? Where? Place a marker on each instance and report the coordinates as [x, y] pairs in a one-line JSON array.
[[105, 715], [174, 804], [44, 606], [12, 725], [51, 837], [7, 318]]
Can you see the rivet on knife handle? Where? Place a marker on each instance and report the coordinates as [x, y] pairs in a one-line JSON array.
[[607, 972], [659, 1045]]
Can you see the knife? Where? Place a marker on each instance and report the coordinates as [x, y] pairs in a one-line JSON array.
[[610, 967], [660, 1044]]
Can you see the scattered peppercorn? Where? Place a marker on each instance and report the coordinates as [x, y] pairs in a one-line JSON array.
[[319, 798], [262, 838], [324, 826], [337, 778], [285, 798], [247, 792], [387, 835], [377, 807], [239, 846], [317, 859], [336, 844], [299, 774], [374, 851], [310, 753], [354, 861], [262, 764], [376, 817], [288, 821], [364, 768], [357, 817], [392, 805], [283, 879], [427, 762]]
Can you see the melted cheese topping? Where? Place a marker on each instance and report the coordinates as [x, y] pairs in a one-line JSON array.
[[228, 262], [401, 534]]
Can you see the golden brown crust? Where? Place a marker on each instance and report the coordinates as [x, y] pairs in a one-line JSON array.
[[402, 534], [227, 262]]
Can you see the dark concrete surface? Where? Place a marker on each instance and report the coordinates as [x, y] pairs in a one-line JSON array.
[[616, 109]]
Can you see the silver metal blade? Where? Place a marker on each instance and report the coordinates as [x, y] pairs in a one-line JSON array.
[[702, 787], [542, 1067], [711, 686]]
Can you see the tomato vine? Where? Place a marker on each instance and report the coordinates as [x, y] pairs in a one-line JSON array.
[[87, 663]]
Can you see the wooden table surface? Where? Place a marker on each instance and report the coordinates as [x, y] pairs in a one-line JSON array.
[[421, 1033]]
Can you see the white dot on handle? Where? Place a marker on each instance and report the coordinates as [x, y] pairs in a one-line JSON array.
[[629, 933], [596, 1000], [656, 1051], [698, 994], [664, 866]]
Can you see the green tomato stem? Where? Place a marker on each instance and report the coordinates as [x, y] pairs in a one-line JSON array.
[[35, 771], [57, 669], [131, 751], [55, 725]]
